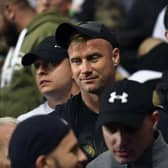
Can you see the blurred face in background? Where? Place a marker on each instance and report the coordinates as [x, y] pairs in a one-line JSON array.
[[43, 5], [8, 30], [46, 5]]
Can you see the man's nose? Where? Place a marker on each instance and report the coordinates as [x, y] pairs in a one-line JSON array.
[[86, 67], [41, 69], [122, 138], [82, 156]]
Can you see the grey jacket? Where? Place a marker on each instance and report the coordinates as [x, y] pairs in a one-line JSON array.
[[155, 156]]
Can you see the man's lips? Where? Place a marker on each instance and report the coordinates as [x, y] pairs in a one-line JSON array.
[[89, 79], [122, 153], [44, 82]]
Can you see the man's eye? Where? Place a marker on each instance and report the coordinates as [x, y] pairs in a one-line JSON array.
[[50, 65], [75, 149], [36, 65], [46, 65], [130, 130], [93, 58], [111, 128], [76, 61]]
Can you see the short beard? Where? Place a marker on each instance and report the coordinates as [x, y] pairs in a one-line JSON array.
[[10, 33], [57, 163]]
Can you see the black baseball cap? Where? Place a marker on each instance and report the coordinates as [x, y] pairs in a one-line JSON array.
[[35, 136], [47, 50], [125, 102], [91, 29]]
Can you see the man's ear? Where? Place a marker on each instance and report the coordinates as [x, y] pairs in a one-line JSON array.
[[166, 34], [155, 118], [116, 56], [41, 162]]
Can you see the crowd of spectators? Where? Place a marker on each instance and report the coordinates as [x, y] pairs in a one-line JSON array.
[[94, 72]]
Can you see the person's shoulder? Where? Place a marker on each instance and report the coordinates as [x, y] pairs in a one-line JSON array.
[[161, 161], [69, 111], [42, 26], [68, 107], [75, 99], [103, 160], [36, 111], [160, 152], [36, 35], [162, 164], [46, 19]]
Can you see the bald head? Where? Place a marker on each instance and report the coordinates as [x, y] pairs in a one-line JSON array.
[[46, 5], [7, 126]]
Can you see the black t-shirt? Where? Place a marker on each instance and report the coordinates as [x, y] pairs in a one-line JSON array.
[[83, 122]]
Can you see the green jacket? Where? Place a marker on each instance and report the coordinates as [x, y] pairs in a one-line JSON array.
[[22, 95], [41, 26]]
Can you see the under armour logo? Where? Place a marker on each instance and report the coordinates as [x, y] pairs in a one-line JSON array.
[[114, 96]]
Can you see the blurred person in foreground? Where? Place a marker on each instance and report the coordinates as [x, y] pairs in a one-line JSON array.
[[52, 74], [94, 56], [45, 142], [128, 120]]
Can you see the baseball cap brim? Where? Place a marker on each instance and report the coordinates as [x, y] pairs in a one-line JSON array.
[[65, 31], [29, 59], [47, 55], [47, 50], [160, 107], [133, 121]]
